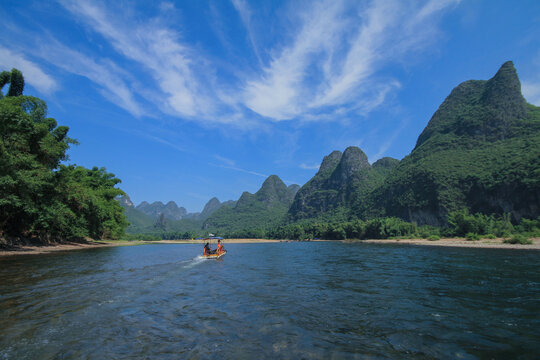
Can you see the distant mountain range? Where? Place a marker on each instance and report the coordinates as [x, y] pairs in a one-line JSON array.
[[269, 205], [480, 151], [144, 216]]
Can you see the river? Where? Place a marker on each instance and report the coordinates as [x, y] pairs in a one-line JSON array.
[[324, 300]]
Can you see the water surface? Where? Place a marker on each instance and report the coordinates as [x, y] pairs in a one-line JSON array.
[[326, 300]]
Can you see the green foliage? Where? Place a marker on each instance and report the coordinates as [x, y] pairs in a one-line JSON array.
[[90, 194], [262, 210], [382, 228], [39, 198], [472, 236], [16, 81], [427, 231], [518, 239], [531, 227], [434, 238], [16, 85], [460, 223]]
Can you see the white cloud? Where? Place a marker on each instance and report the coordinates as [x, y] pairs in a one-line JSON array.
[[156, 47], [531, 92], [309, 166], [245, 14], [328, 64], [224, 160], [33, 74], [279, 92], [235, 168], [105, 73], [388, 142], [335, 58]]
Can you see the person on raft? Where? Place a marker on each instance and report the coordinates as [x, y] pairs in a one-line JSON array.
[[220, 247], [207, 250]]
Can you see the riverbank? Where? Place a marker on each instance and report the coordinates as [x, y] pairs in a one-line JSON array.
[[46, 249], [91, 244], [69, 246], [457, 242]]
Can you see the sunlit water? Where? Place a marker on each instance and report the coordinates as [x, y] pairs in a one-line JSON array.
[[281, 300]]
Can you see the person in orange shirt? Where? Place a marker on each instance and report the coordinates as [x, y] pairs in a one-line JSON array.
[[220, 247]]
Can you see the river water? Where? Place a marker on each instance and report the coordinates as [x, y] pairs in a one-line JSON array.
[[325, 300]]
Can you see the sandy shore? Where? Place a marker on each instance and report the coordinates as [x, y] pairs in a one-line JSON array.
[[225, 241], [46, 249], [484, 243]]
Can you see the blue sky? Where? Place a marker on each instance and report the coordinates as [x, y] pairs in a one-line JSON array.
[[188, 100]]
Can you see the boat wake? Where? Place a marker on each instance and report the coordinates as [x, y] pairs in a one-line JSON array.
[[194, 262]]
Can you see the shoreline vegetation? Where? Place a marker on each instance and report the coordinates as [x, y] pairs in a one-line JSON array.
[[498, 243]]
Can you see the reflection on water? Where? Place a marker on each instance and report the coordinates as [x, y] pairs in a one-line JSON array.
[[280, 300]]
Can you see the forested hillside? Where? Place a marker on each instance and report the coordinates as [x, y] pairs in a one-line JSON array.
[[267, 207], [480, 151], [42, 200]]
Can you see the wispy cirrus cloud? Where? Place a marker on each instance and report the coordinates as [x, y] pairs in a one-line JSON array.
[[328, 65], [235, 168], [336, 55], [153, 45], [114, 82], [34, 75], [245, 13], [309, 166], [531, 92], [224, 160]]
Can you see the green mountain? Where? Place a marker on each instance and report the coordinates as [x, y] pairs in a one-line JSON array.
[[138, 221], [211, 206], [268, 206], [341, 185], [480, 151], [170, 210]]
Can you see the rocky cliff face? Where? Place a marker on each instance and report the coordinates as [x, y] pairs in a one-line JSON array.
[[125, 201]]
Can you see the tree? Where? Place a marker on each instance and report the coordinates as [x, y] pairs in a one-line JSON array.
[[39, 198], [15, 79]]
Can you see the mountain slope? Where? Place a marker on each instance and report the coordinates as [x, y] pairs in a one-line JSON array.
[[342, 183], [266, 207], [138, 221], [480, 150], [170, 210]]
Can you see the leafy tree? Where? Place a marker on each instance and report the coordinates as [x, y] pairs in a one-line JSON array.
[[39, 198], [16, 80], [16, 85]]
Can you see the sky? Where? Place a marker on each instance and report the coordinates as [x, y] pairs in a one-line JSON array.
[[192, 99]]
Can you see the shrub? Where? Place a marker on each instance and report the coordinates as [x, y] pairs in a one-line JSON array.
[[472, 236], [426, 231], [518, 239], [489, 236], [434, 238]]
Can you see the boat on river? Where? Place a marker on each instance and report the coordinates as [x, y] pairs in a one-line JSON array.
[[215, 256]]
